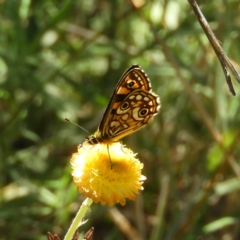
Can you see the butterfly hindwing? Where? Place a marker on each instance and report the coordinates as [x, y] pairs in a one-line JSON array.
[[133, 113]]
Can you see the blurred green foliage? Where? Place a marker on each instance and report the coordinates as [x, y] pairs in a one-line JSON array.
[[63, 59]]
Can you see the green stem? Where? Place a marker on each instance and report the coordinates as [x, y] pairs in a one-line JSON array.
[[77, 220]]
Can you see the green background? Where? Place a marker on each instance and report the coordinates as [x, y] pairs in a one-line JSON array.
[[62, 59]]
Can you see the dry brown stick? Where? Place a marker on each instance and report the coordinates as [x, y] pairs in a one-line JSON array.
[[124, 225], [222, 56]]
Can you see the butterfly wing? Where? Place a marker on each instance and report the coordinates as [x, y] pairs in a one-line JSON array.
[[133, 113], [132, 79]]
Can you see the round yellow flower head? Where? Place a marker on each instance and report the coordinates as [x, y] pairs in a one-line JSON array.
[[107, 173]]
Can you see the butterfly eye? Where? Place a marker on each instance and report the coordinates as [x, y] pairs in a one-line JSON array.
[[125, 105], [143, 112]]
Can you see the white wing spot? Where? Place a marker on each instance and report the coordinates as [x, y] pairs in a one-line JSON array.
[[139, 97], [114, 124], [125, 117], [125, 125], [135, 114], [132, 97], [150, 103], [146, 99]]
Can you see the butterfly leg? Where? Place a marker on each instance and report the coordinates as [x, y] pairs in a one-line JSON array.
[[109, 156]]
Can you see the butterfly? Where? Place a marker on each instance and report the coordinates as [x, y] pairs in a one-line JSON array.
[[131, 106]]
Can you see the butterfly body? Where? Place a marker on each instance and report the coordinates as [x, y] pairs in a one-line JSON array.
[[132, 105]]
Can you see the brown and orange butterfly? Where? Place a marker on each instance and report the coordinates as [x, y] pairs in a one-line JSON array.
[[132, 105]]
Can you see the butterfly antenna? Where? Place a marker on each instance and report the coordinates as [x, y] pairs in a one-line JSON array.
[[66, 119]]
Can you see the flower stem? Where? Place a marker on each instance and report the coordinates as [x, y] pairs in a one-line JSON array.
[[77, 220]]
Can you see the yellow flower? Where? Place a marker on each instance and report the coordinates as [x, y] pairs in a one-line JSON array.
[[107, 173]]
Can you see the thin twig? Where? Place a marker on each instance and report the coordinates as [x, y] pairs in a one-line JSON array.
[[222, 56]]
